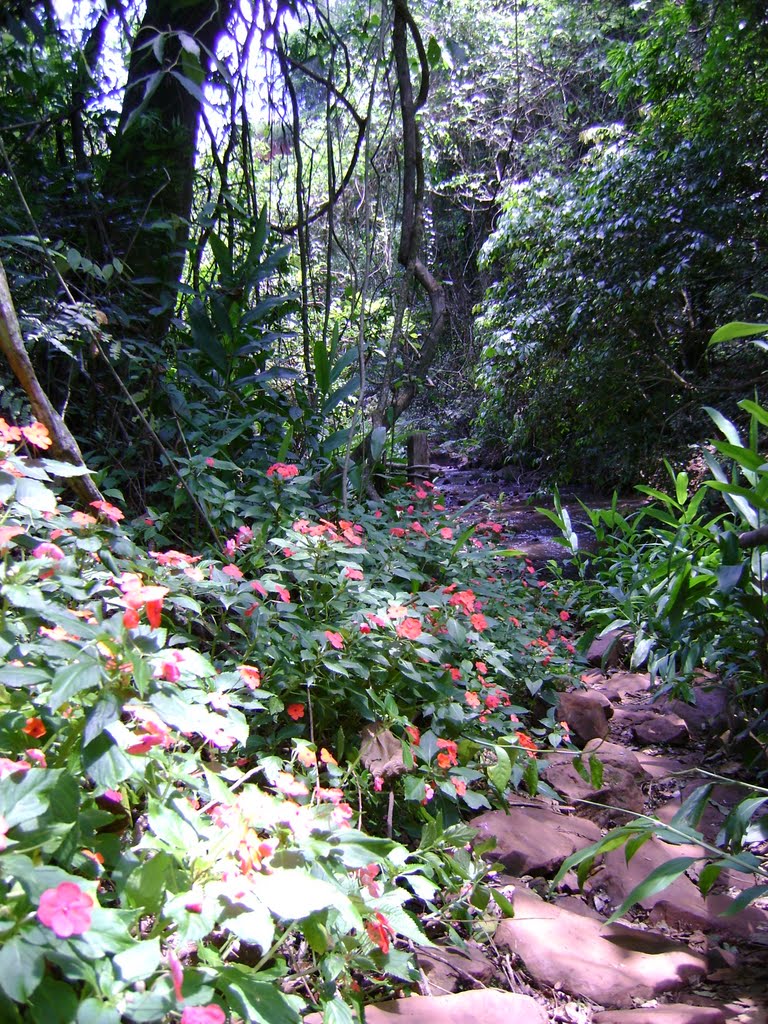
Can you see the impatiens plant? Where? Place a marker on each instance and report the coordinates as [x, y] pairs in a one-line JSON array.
[[186, 797]]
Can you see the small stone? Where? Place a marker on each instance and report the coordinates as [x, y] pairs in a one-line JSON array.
[[609, 650]]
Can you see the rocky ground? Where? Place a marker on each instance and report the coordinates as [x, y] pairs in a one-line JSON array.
[[673, 959]]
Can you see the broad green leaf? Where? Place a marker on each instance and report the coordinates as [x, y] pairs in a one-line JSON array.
[[83, 674], [139, 962], [737, 329], [93, 1011], [657, 880], [21, 968], [293, 894], [500, 773]]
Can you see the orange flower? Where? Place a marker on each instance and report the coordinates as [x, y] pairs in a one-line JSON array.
[[7, 533], [472, 699], [459, 785], [449, 753], [464, 599], [137, 597], [415, 735], [251, 676], [479, 622], [527, 743], [84, 519], [37, 434], [295, 711], [108, 511], [9, 433], [409, 629], [34, 728]]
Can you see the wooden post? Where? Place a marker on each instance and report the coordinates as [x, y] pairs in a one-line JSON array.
[[418, 457]]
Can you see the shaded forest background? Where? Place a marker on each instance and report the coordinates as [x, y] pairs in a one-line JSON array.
[[235, 231]]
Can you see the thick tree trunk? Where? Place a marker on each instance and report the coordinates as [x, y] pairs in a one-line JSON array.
[[152, 163]]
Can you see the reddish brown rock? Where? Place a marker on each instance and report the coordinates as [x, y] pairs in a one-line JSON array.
[[587, 713], [669, 1013], [615, 753], [611, 964], [708, 715], [661, 728], [617, 792], [488, 1006], [609, 650], [533, 840], [447, 970], [680, 905]]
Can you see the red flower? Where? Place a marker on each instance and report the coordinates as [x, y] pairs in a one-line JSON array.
[[380, 931], [284, 595], [334, 639], [565, 616], [34, 728], [210, 1014], [479, 622], [108, 511], [233, 572], [397, 531], [66, 910], [472, 699], [137, 597], [296, 711], [446, 533], [465, 599], [283, 471], [153, 735], [415, 735], [353, 574], [409, 629]]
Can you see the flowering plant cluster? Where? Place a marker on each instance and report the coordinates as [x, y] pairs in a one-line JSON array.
[[184, 783]]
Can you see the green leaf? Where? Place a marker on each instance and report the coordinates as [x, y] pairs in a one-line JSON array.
[[658, 879], [21, 968], [294, 894], [139, 962], [693, 807], [82, 675], [35, 495], [192, 87], [93, 1011], [259, 1002], [755, 892], [105, 763], [204, 337], [337, 1012], [506, 906], [500, 773], [737, 329]]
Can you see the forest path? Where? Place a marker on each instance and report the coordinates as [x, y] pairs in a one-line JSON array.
[[672, 959]]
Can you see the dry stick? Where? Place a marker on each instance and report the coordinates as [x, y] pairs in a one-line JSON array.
[[60, 432], [64, 445]]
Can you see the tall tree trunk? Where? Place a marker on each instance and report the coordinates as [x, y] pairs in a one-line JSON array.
[[152, 163]]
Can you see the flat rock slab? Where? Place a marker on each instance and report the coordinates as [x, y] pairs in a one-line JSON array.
[[489, 1006], [681, 904], [651, 727], [619, 792], [533, 840], [613, 965], [620, 685], [447, 970], [669, 1013]]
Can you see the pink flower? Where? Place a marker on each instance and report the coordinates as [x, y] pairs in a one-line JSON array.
[[210, 462], [233, 572], [8, 533], [353, 574], [564, 616], [364, 627], [4, 826], [46, 550], [210, 1014], [177, 974], [284, 594], [479, 622], [367, 878], [251, 676], [66, 910], [8, 767], [283, 471], [446, 533], [334, 639]]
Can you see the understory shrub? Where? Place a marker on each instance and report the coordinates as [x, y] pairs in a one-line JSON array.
[[203, 752]]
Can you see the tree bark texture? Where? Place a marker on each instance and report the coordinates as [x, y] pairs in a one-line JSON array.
[[64, 445]]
